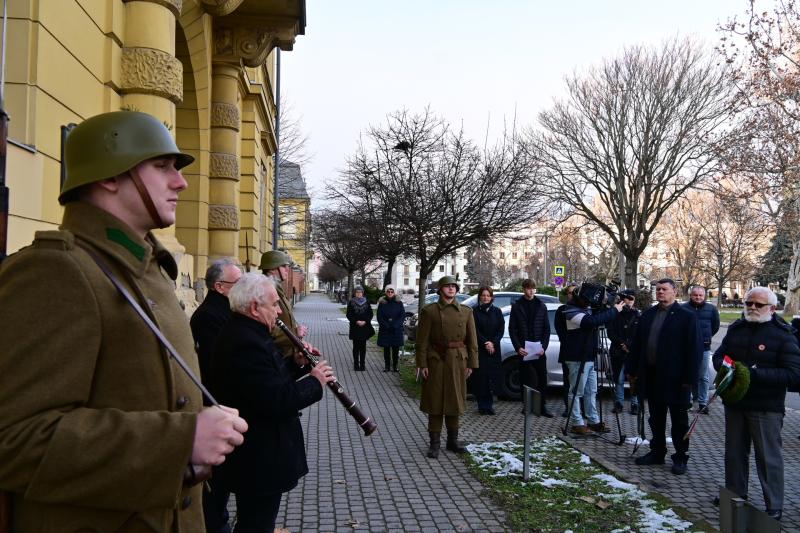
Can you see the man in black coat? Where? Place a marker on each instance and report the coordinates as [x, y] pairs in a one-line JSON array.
[[251, 374], [529, 322], [766, 345], [206, 323], [665, 357]]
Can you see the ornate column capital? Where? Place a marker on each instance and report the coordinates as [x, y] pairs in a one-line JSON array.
[[151, 71], [220, 8], [173, 5], [251, 39]]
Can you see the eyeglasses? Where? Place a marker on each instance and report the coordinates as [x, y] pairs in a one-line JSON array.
[[228, 282], [389, 290], [757, 305]]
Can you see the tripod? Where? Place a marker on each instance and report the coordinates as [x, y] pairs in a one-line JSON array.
[[604, 370]]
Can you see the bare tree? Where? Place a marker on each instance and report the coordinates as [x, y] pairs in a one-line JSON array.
[[634, 134], [442, 191], [763, 45], [731, 233], [331, 273], [682, 235], [294, 141], [336, 237], [480, 263]]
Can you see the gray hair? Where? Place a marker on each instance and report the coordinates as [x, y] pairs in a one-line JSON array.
[[251, 287], [217, 269], [697, 288], [771, 298]]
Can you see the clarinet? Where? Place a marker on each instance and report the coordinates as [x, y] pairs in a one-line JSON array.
[[366, 423]]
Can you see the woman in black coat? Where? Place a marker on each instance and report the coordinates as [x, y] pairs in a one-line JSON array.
[[489, 326], [391, 315], [359, 313]]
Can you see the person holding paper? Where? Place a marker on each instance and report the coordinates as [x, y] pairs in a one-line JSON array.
[[529, 323]]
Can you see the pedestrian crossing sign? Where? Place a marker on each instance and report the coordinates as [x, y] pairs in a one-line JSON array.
[[558, 270]]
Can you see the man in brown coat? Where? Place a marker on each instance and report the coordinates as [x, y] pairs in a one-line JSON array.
[[101, 430], [447, 351], [275, 264]]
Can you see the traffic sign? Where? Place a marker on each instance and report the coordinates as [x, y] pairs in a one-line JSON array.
[[558, 281], [559, 270]]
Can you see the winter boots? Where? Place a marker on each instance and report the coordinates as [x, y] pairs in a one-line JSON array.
[[452, 442], [436, 442]]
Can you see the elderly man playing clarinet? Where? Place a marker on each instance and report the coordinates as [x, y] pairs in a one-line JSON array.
[[249, 373]]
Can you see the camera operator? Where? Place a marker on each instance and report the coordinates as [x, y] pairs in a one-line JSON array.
[[579, 344], [620, 333]]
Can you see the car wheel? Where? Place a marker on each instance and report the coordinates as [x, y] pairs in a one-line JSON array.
[[512, 380]]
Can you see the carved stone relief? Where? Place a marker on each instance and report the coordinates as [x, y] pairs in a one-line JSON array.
[[223, 217], [220, 8], [150, 71], [223, 166], [225, 115]]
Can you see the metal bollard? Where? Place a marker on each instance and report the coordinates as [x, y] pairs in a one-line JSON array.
[[531, 404]]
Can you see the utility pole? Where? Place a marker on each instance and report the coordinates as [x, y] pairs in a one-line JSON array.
[[3, 144], [275, 212]]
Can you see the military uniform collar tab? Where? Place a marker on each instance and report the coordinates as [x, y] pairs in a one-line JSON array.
[[113, 237]]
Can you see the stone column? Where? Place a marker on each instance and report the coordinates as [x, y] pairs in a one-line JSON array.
[[151, 75], [223, 174]]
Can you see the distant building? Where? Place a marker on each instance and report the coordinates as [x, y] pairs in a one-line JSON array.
[[294, 214]]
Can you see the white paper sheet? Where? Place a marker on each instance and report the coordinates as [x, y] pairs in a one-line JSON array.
[[533, 349]]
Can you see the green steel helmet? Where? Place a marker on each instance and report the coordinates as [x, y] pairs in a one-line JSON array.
[[274, 259], [110, 144], [448, 280]]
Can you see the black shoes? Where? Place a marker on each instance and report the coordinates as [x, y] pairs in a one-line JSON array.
[[775, 514], [386, 369], [453, 444], [634, 409], [617, 408], [650, 458], [702, 409], [679, 468], [547, 414], [435, 443], [488, 411]]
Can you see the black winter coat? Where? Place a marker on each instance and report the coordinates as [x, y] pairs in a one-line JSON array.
[[391, 315], [621, 331], [252, 376], [206, 323], [489, 326], [355, 313], [770, 350], [522, 327], [678, 355], [707, 321]]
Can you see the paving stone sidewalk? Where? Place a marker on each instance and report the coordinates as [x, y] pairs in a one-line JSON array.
[[385, 483]]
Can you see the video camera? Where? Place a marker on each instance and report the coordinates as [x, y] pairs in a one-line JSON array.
[[599, 296]]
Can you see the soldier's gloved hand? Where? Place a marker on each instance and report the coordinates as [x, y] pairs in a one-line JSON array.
[[424, 372], [218, 431], [467, 372]]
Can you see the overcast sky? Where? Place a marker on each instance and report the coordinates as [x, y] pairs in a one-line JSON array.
[[473, 62]]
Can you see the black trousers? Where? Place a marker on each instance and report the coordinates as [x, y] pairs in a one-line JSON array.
[[395, 356], [359, 352], [215, 508], [256, 512], [534, 375], [679, 416], [487, 379]]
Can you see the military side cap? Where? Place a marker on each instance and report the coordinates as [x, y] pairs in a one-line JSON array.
[[274, 259], [110, 144]]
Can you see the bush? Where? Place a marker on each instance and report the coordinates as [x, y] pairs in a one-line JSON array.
[[373, 294], [547, 289]]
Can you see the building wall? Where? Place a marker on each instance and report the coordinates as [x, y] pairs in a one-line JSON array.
[[203, 68], [294, 233]]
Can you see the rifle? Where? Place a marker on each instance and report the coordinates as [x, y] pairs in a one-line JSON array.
[[247, 253]]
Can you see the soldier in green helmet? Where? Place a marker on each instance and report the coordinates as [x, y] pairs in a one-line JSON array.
[[102, 430], [447, 352], [276, 264]]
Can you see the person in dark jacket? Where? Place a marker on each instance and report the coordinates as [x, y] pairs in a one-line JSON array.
[[359, 313], [251, 375], [489, 328], [620, 336], [767, 346], [664, 360], [391, 314], [579, 344], [560, 324], [529, 322], [206, 323], [708, 322]]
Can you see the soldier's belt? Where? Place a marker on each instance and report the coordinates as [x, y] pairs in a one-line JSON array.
[[441, 349]]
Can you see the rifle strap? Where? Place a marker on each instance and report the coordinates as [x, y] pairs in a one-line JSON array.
[[148, 321]]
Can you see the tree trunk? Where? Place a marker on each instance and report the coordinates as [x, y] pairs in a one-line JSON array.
[[422, 284], [387, 278], [793, 283], [631, 269], [350, 283]]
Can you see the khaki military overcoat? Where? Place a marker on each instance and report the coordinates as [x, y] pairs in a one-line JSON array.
[[96, 422], [285, 346], [441, 327]]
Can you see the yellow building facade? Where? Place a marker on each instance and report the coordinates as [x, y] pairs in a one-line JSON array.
[[294, 211], [204, 67]]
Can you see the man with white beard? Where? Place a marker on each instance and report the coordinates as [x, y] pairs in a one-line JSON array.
[[769, 351]]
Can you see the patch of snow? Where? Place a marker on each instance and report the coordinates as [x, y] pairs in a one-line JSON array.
[[550, 482], [585, 459]]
